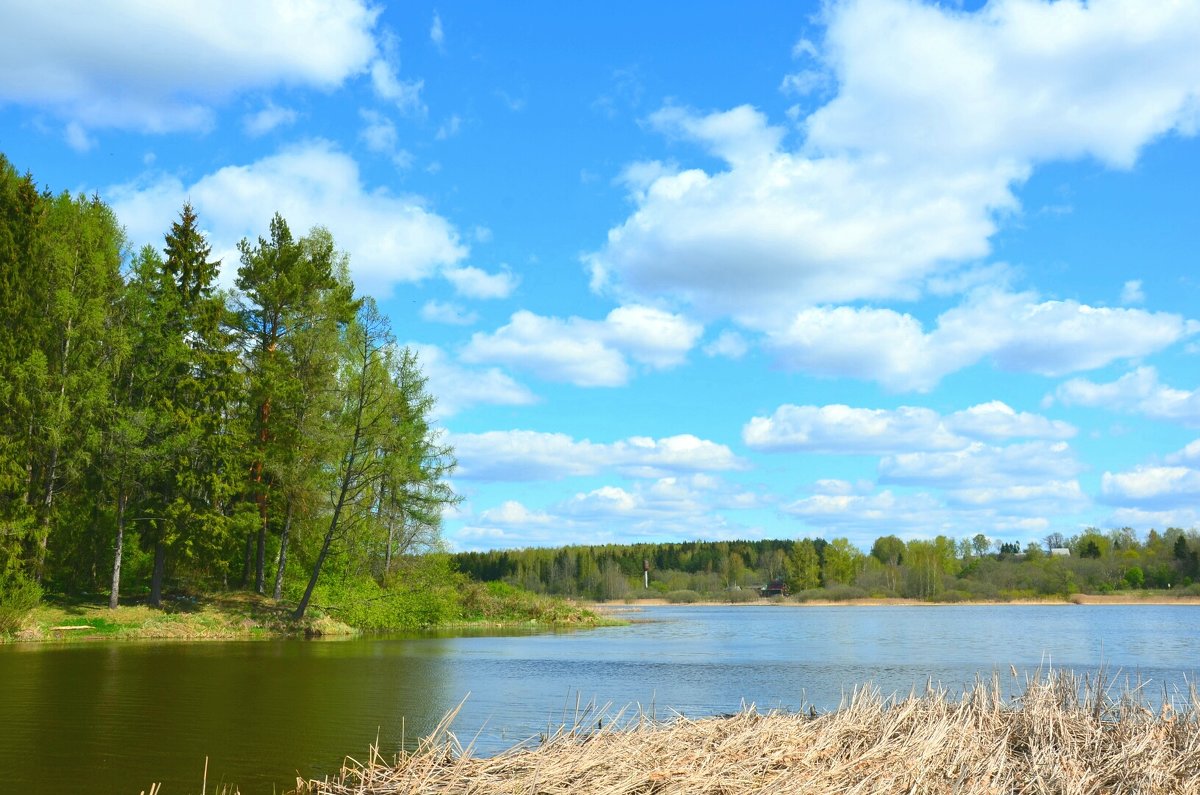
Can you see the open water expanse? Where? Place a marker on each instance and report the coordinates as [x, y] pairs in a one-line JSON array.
[[116, 717]]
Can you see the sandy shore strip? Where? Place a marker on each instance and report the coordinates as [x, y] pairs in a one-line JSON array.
[[1063, 734]]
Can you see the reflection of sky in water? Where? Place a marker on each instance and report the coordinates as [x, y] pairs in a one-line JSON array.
[[712, 660], [124, 715]]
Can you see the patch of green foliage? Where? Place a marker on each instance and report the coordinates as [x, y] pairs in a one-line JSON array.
[[743, 596], [682, 597], [19, 595], [499, 602], [836, 593]]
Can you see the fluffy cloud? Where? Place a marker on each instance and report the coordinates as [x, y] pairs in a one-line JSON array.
[[981, 466], [778, 228], [1152, 487], [995, 420], [1020, 79], [587, 352], [674, 507], [1138, 391], [873, 514], [380, 136], [472, 282], [903, 173], [404, 94], [1132, 293], [531, 455], [159, 67], [392, 238], [842, 429], [1156, 495], [940, 473], [271, 117], [729, 344], [458, 388], [864, 517], [1016, 331], [448, 313]]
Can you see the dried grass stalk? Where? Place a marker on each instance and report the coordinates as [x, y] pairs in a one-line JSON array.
[[1064, 734]]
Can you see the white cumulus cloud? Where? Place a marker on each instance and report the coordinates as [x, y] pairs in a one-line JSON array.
[[982, 466], [391, 238], [161, 67], [1152, 487], [907, 170], [458, 388], [587, 352], [270, 117], [472, 282], [1138, 391], [519, 455], [1016, 331], [838, 428]]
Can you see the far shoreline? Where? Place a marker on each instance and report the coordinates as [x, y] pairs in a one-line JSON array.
[[1071, 601]]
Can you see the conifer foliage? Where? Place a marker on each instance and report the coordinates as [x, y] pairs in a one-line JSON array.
[[160, 433]]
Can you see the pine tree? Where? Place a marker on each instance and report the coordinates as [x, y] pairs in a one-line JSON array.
[[286, 285]]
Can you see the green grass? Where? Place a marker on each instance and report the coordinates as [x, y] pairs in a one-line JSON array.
[[251, 616], [208, 617]]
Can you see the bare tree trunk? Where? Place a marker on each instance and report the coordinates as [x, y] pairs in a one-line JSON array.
[[43, 542], [156, 579], [348, 477], [260, 553], [247, 561], [118, 552], [283, 550]]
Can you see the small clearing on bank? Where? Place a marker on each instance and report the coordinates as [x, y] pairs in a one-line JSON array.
[[1064, 734]]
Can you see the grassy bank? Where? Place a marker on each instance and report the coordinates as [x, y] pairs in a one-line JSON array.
[[245, 616], [1062, 735], [203, 617]]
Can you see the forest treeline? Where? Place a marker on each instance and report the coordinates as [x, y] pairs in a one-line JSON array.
[[158, 431], [941, 568]]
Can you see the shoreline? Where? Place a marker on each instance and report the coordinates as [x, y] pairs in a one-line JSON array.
[[239, 617], [1073, 600]]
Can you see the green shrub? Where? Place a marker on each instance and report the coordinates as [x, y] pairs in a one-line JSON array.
[[743, 596], [19, 595], [834, 593], [682, 597], [843, 593], [951, 597]]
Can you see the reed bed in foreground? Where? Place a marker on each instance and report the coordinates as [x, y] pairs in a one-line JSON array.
[[1062, 734]]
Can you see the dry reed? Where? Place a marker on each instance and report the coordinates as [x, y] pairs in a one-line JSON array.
[[1062, 734]]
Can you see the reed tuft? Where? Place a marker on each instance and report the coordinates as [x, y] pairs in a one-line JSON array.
[[1063, 733]]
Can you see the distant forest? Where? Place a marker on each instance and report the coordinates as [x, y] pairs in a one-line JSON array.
[[940, 569]]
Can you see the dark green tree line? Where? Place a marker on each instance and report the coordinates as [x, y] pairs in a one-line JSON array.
[[157, 431]]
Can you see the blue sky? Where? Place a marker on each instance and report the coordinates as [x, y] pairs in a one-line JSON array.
[[824, 269]]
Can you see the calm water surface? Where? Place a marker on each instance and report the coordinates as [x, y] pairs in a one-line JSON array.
[[116, 717]]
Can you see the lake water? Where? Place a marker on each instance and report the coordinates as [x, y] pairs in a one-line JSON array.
[[117, 717]]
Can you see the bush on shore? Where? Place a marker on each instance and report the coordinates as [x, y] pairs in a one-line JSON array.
[[684, 597], [19, 595]]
